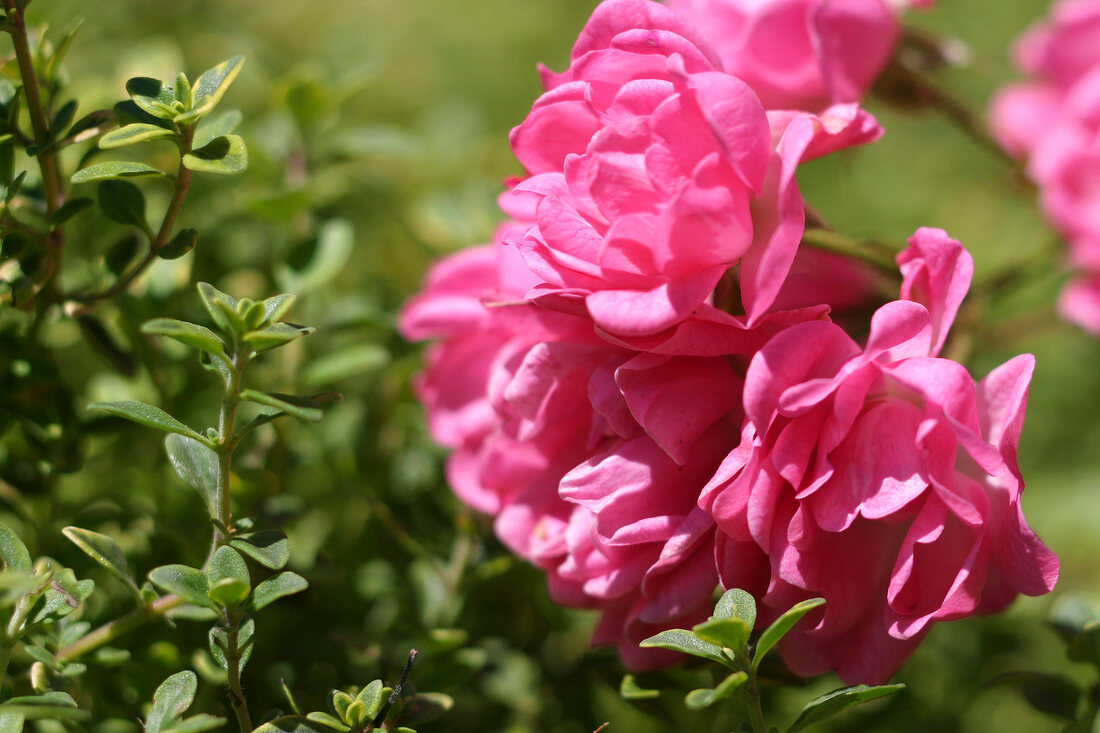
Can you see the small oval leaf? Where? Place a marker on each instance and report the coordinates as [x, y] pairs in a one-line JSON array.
[[226, 154], [115, 169], [149, 416], [138, 132]]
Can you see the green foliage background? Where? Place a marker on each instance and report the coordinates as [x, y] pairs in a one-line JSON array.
[[378, 140]]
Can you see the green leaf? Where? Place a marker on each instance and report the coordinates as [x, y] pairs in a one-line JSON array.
[[149, 416], [184, 241], [268, 547], [699, 699], [63, 596], [43, 707], [219, 641], [682, 640], [372, 697], [226, 154], [275, 335], [736, 602], [171, 700], [197, 465], [1052, 694], [196, 724], [281, 403], [836, 701], [192, 334], [209, 89], [216, 126], [298, 724], [153, 96], [69, 209], [221, 307], [11, 721], [132, 134], [782, 625], [91, 125], [186, 582], [122, 252], [229, 591], [13, 552], [105, 551], [62, 119], [128, 112], [275, 307], [62, 50], [731, 633], [115, 169], [630, 690], [328, 721], [123, 202], [278, 586], [182, 91], [228, 563], [356, 715], [1085, 645]]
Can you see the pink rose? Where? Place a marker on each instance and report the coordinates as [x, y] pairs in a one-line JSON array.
[[882, 478], [1057, 52], [1054, 121], [798, 54], [654, 174]]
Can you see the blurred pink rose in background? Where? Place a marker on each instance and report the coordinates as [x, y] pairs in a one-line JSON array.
[[1054, 122]]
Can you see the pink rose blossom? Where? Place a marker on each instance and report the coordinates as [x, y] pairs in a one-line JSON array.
[[590, 455], [798, 54], [882, 478], [653, 174]]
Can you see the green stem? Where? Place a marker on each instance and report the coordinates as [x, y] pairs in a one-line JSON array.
[[157, 243], [114, 629], [5, 656], [756, 711], [47, 159], [227, 417], [233, 667], [929, 93], [871, 252]]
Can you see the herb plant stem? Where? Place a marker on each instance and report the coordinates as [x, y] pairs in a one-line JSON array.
[[163, 235], [47, 158], [110, 631], [233, 667], [871, 252], [227, 417]]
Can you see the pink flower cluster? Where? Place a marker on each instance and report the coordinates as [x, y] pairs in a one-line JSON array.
[[1054, 121], [640, 380]]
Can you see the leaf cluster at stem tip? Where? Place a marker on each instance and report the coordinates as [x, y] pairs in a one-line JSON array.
[[725, 638]]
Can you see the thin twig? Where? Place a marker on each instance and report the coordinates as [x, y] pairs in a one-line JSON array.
[[381, 717], [179, 195], [114, 629]]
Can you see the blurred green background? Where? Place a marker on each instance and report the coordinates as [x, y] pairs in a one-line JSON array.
[[378, 141]]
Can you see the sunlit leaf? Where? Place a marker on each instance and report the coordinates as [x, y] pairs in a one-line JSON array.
[[137, 132], [149, 416], [115, 169], [226, 154], [836, 701]]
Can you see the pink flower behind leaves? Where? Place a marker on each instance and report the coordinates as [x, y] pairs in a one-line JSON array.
[[798, 54], [882, 478]]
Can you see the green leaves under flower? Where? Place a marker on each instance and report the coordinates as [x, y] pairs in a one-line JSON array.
[[724, 638]]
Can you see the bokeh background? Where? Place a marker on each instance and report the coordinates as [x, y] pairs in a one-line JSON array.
[[378, 141]]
